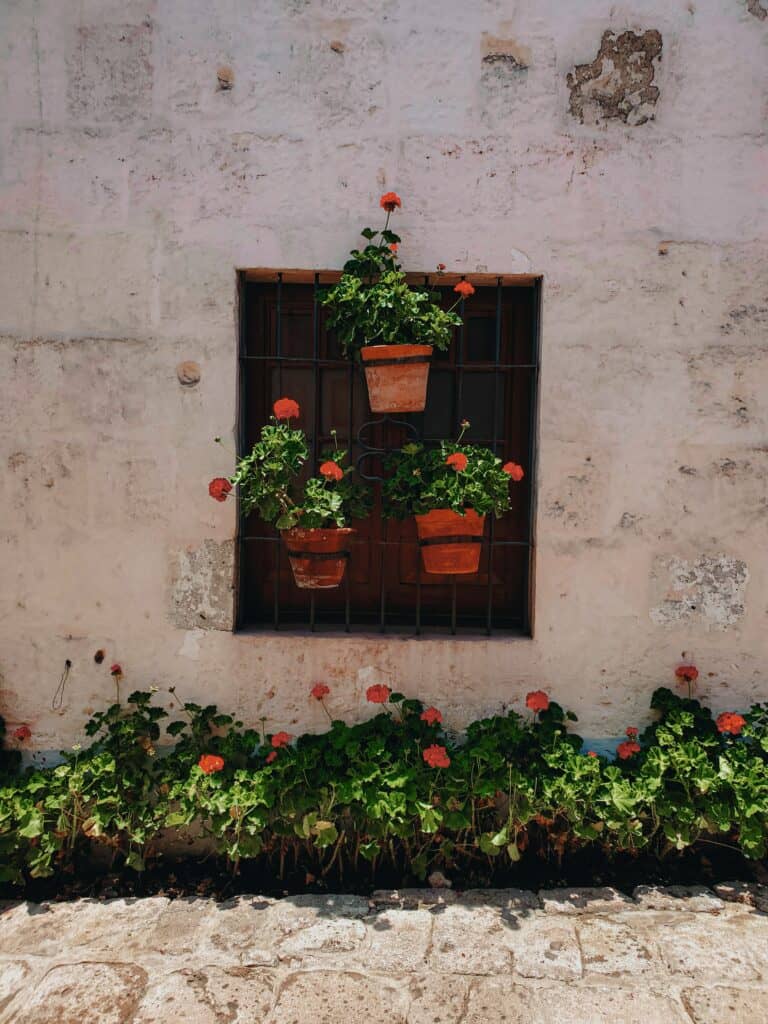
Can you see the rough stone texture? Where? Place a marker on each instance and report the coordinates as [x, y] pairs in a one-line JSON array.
[[619, 83], [710, 590], [735, 1005], [132, 186], [341, 958], [678, 897], [583, 900]]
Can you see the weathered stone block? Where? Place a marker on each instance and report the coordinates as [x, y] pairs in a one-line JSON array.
[[613, 948], [734, 1005], [470, 940], [544, 949], [688, 898], [102, 993], [327, 997], [238, 995], [584, 900]]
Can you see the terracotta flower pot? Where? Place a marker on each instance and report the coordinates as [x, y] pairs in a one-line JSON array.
[[397, 376], [450, 543], [318, 557]]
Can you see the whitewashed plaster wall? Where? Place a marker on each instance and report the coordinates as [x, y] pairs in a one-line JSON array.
[[131, 187]]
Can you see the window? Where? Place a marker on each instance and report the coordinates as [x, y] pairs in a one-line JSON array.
[[489, 376]]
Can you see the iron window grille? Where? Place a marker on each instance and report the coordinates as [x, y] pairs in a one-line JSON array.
[[489, 376]]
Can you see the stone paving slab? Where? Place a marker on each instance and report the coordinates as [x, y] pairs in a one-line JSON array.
[[672, 956]]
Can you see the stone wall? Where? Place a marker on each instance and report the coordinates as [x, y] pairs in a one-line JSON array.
[[151, 148]]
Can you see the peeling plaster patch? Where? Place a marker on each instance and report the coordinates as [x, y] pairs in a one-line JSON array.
[[190, 647], [110, 74], [756, 8], [619, 81], [708, 591], [201, 587]]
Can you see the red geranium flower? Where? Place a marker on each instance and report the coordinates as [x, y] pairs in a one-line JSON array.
[[286, 409], [730, 722], [331, 471], [378, 694], [457, 461], [537, 700], [687, 673], [632, 732], [22, 734], [512, 469], [627, 749], [436, 756], [219, 488], [591, 753], [389, 201], [116, 670], [271, 756], [320, 690], [281, 739], [430, 716], [393, 248], [464, 289], [441, 267], [210, 763]]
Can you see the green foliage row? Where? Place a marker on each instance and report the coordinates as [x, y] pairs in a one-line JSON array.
[[420, 481], [269, 483], [367, 792]]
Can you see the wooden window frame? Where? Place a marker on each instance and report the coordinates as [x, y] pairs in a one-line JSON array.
[[315, 618]]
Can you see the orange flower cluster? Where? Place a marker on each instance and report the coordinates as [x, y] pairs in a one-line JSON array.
[[210, 763], [430, 716], [320, 690], [281, 739], [464, 289], [219, 488], [286, 409], [378, 694], [457, 461], [512, 469], [22, 734], [537, 701], [331, 471], [436, 756], [687, 673], [731, 722], [632, 732], [626, 749], [390, 201]]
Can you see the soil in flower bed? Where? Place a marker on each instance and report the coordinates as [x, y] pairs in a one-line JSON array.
[[700, 864]]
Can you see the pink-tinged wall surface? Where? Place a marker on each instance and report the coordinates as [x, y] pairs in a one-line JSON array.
[[630, 170]]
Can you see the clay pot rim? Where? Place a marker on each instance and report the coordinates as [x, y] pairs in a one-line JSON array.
[[298, 532], [369, 353]]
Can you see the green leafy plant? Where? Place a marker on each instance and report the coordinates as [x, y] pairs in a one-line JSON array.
[[268, 479], [450, 476], [373, 304], [397, 790]]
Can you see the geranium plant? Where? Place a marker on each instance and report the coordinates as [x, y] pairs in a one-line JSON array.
[[313, 516], [452, 476], [449, 490], [373, 308], [268, 479]]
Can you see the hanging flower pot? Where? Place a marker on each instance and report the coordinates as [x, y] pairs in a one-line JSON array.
[[318, 557], [396, 376], [450, 542]]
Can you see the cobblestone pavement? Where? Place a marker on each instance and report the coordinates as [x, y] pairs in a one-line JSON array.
[[673, 956]]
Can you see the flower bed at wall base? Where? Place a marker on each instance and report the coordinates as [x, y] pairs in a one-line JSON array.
[[398, 786]]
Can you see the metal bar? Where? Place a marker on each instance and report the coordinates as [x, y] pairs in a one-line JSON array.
[[453, 607], [383, 592], [347, 603], [418, 593], [279, 353], [316, 356], [532, 455], [307, 360], [391, 543], [459, 375], [492, 525], [312, 612], [240, 449]]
